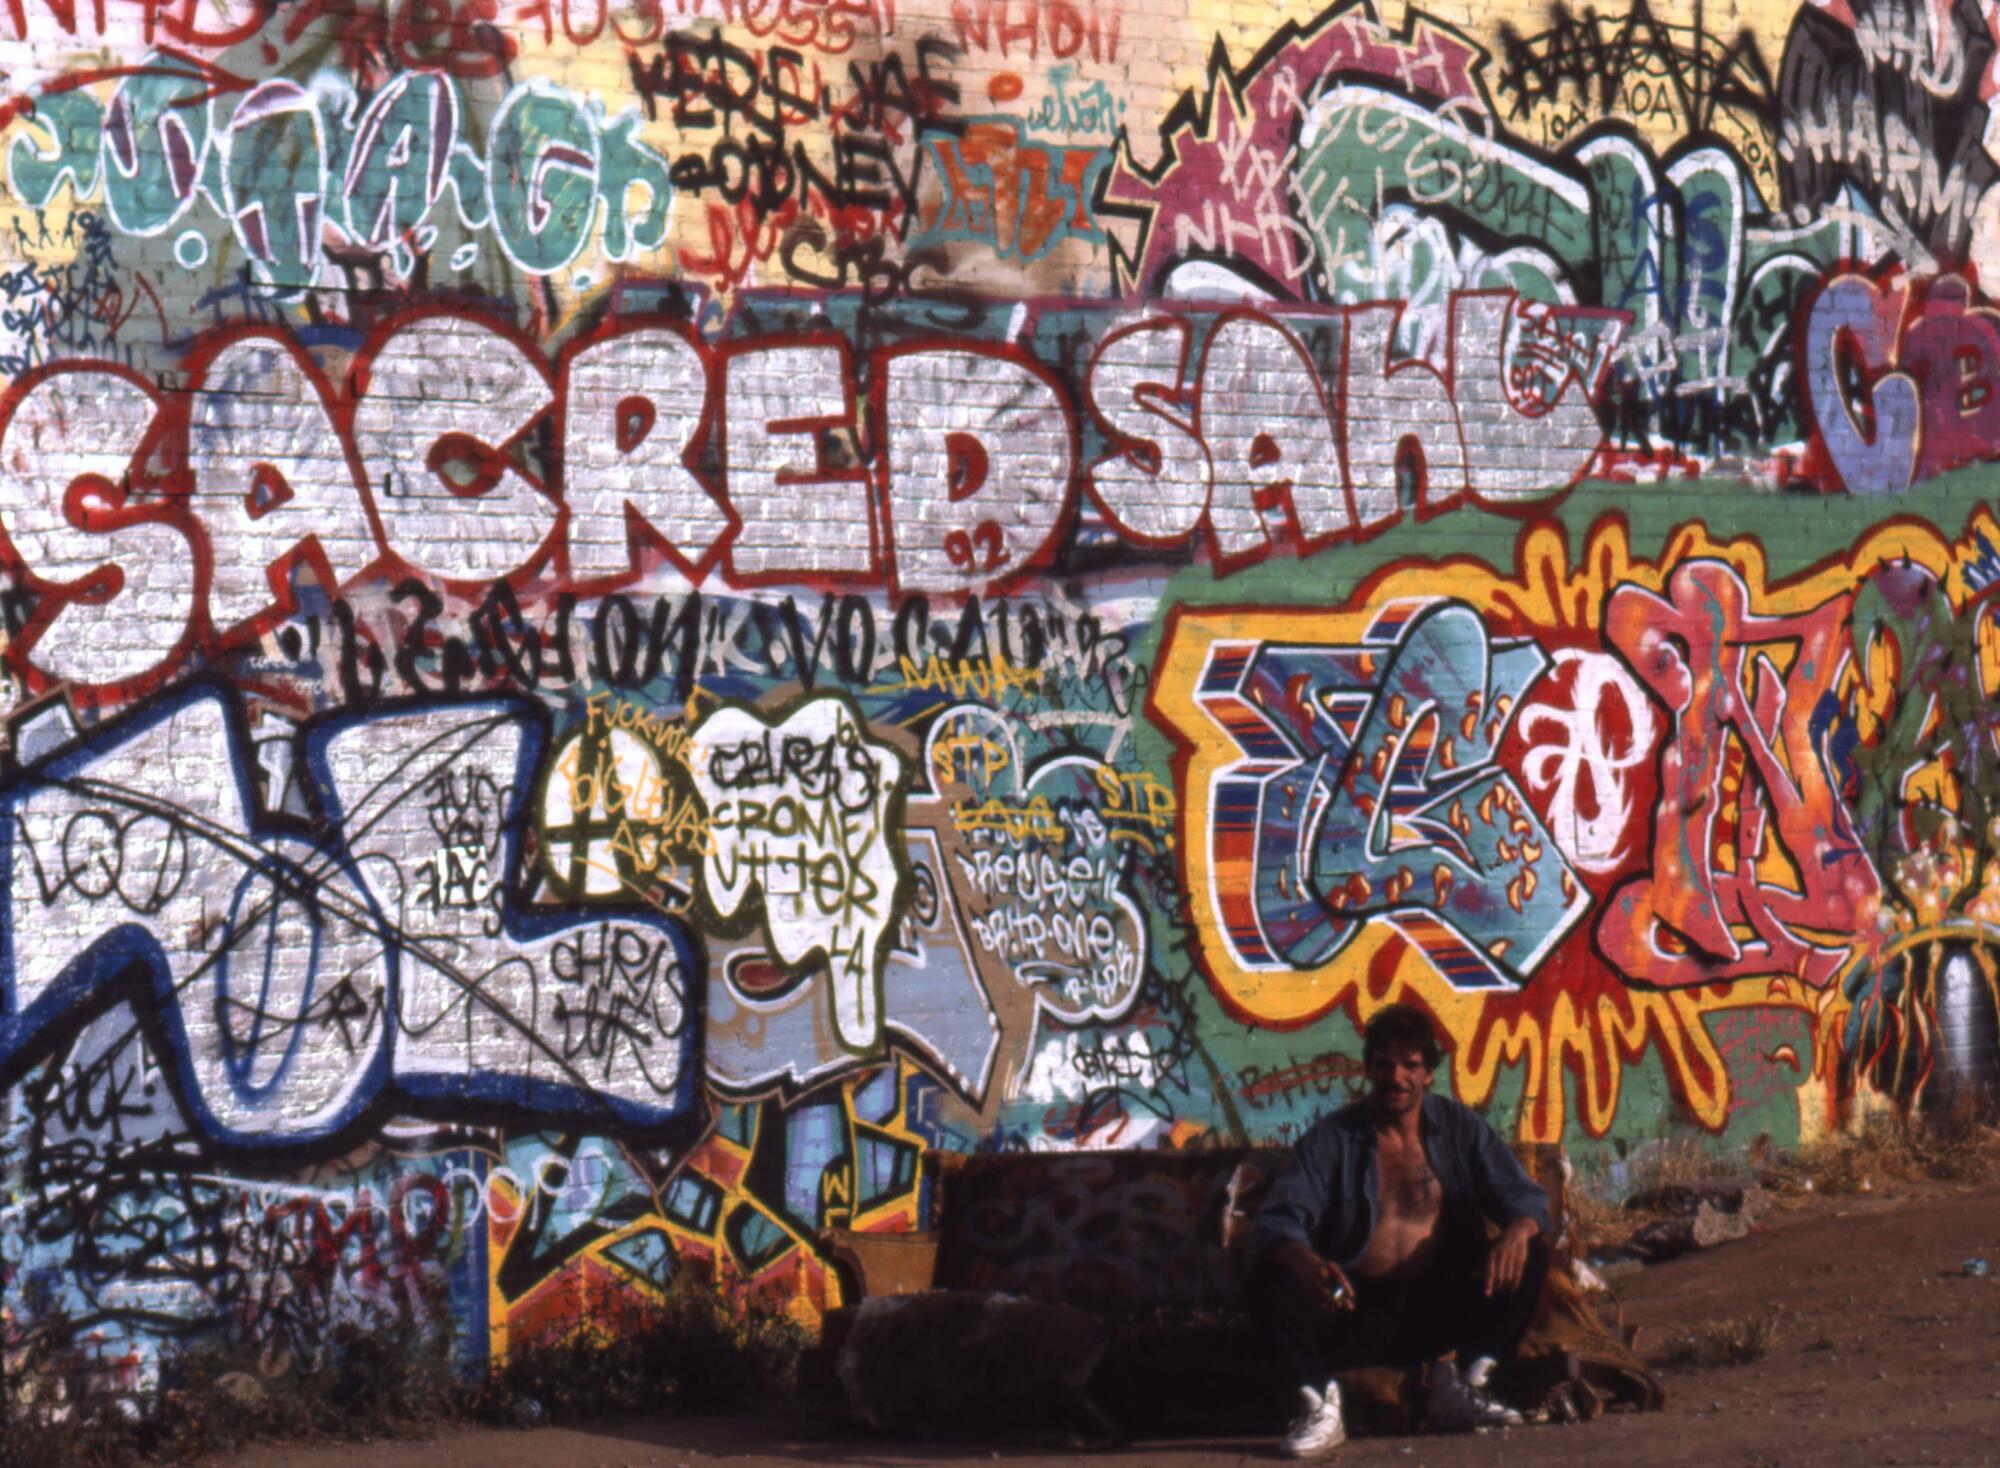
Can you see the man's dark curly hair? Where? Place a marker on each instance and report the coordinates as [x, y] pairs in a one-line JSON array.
[[1400, 1026]]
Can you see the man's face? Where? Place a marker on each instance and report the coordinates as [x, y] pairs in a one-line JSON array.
[[1398, 1078]]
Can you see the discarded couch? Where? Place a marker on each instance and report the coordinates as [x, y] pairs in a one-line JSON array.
[[1096, 1295]]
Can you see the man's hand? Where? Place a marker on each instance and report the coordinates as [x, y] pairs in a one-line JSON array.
[[1508, 1258], [1322, 1279]]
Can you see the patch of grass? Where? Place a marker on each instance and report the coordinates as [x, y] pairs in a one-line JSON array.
[[1737, 1341], [93, 1432], [216, 1397], [693, 1350]]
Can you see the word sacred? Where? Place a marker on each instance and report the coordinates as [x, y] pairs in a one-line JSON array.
[[149, 525]]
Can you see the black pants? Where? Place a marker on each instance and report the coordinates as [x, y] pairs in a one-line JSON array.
[[1397, 1322]]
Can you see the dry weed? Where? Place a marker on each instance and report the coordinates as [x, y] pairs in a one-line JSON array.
[[1602, 1215], [1597, 1221], [1958, 1149], [1737, 1341]]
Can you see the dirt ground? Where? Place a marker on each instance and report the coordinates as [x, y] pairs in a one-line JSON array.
[[1888, 1354]]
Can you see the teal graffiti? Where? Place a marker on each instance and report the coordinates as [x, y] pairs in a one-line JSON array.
[[285, 163], [275, 181], [72, 123], [401, 159], [623, 163], [544, 179], [155, 136]]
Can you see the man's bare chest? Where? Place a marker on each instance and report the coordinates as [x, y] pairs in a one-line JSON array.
[[1407, 1188]]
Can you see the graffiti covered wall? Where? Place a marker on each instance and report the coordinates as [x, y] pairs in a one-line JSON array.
[[621, 614]]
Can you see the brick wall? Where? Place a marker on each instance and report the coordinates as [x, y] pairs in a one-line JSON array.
[[620, 616]]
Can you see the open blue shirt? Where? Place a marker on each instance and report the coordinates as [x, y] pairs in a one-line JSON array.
[[1326, 1196]]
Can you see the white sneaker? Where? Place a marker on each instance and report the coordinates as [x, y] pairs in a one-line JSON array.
[[1456, 1406], [1317, 1430]]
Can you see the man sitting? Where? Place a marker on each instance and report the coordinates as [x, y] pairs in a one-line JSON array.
[[1371, 1248]]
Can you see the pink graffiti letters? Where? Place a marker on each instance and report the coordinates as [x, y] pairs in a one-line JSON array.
[[1754, 853]]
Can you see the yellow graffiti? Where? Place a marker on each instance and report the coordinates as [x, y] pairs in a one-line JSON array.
[[983, 678], [967, 757], [682, 834], [616, 786], [1137, 807], [1031, 820], [669, 737]]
